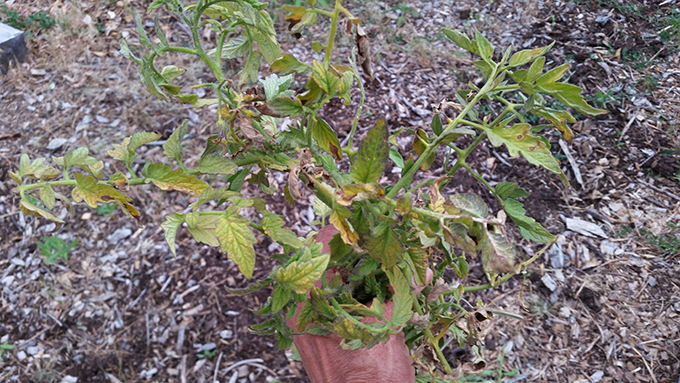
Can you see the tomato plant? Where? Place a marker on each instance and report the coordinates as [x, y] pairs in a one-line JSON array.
[[389, 233]]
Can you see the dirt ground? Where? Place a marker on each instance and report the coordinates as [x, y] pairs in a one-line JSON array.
[[602, 305]]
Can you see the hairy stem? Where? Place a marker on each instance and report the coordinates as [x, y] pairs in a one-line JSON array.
[[331, 36]]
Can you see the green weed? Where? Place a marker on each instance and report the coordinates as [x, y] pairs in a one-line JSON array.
[[53, 248], [106, 210], [31, 24], [668, 242], [5, 349]]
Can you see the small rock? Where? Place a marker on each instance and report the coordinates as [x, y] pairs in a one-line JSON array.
[[7, 280], [226, 334], [559, 275], [608, 248], [556, 256], [38, 72], [119, 235], [207, 347], [56, 143], [549, 282], [69, 379], [21, 356], [101, 119], [597, 376], [602, 20], [651, 281], [148, 374], [32, 350], [84, 123], [243, 371]]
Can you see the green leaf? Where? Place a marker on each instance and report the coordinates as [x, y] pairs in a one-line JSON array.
[[126, 150], [80, 157], [552, 75], [237, 240], [371, 158], [171, 72], [534, 70], [286, 107], [36, 169], [272, 225], [325, 137], [396, 158], [484, 46], [143, 37], [470, 203], [529, 228], [569, 95], [460, 39], [127, 53], [417, 261], [300, 276], [320, 305], [280, 298], [160, 175], [324, 78], [518, 141], [250, 69], [484, 67], [385, 247], [171, 225], [288, 64], [273, 85], [402, 297], [213, 162], [159, 31], [234, 48], [307, 316], [251, 288], [171, 148], [47, 196], [522, 57], [510, 190], [436, 124]]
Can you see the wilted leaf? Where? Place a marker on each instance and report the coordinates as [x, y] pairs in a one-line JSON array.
[[470, 203], [284, 106], [420, 144], [47, 196], [80, 157], [522, 57], [307, 316], [460, 39], [356, 193], [338, 218], [36, 169], [30, 209], [89, 190], [160, 175], [484, 46], [558, 118], [279, 298], [569, 95], [250, 68], [498, 255]]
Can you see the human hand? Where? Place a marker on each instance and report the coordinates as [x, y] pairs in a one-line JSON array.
[[326, 362]]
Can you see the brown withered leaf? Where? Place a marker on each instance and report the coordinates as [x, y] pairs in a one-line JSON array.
[[364, 52], [294, 183], [250, 132], [420, 320], [439, 287]]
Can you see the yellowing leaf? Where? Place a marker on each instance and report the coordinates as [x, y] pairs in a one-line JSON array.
[[272, 225], [79, 157], [522, 57], [325, 78], [36, 169], [203, 228], [171, 225], [558, 118], [402, 297], [470, 203], [213, 162], [518, 140], [371, 158], [385, 247], [161, 175], [237, 240], [171, 148], [569, 95], [30, 209], [288, 64], [300, 276], [47, 196], [325, 137], [356, 193], [89, 190], [498, 255], [126, 150], [338, 218]]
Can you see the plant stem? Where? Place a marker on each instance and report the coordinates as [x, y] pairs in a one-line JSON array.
[[331, 36], [461, 158], [353, 64], [406, 179], [440, 355]]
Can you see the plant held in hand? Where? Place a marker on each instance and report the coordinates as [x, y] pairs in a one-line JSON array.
[[389, 236]]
